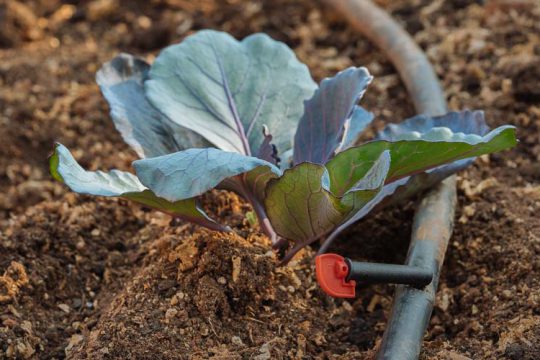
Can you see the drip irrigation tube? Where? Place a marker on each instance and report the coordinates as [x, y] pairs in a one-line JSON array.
[[433, 221]]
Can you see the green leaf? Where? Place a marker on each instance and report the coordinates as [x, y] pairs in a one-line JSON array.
[[466, 122], [302, 209], [419, 163], [437, 147], [226, 90], [256, 180], [370, 184], [192, 172], [251, 218], [115, 183], [299, 205]]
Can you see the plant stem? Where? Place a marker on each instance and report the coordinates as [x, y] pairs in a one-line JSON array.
[[264, 222], [239, 186]]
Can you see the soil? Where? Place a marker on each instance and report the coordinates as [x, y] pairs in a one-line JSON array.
[[89, 278]]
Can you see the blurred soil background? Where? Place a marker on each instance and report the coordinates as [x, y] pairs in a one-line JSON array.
[[94, 278]]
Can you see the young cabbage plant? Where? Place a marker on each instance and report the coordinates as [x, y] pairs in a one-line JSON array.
[[246, 116]]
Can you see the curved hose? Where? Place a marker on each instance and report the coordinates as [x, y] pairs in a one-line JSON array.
[[433, 221]]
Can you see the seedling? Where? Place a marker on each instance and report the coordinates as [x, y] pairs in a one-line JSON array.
[[213, 112]]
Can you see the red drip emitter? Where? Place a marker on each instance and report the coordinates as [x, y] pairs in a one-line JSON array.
[[332, 272], [338, 276]]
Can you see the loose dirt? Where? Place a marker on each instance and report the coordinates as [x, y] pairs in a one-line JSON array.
[[82, 277]]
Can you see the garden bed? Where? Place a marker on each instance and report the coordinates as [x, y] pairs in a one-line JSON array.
[[107, 279]]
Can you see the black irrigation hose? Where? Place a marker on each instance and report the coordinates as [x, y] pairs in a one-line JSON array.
[[432, 226]]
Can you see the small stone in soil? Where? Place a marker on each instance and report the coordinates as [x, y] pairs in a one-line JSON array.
[[235, 340], [514, 351], [166, 285], [76, 303], [347, 306], [65, 308], [170, 313], [507, 294], [237, 264]]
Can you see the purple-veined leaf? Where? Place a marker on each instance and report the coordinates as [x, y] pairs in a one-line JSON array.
[[143, 127], [322, 129], [357, 123], [192, 172], [256, 181], [466, 122], [267, 150], [396, 192], [417, 154], [302, 209], [300, 206], [115, 183], [409, 173], [370, 184], [225, 90]]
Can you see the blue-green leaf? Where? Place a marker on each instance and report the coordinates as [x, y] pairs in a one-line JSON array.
[[358, 122], [461, 122], [115, 183], [143, 127], [226, 90], [191, 172], [322, 129]]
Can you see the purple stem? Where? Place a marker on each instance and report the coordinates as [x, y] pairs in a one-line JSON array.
[[264, 222], [238, 185]]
